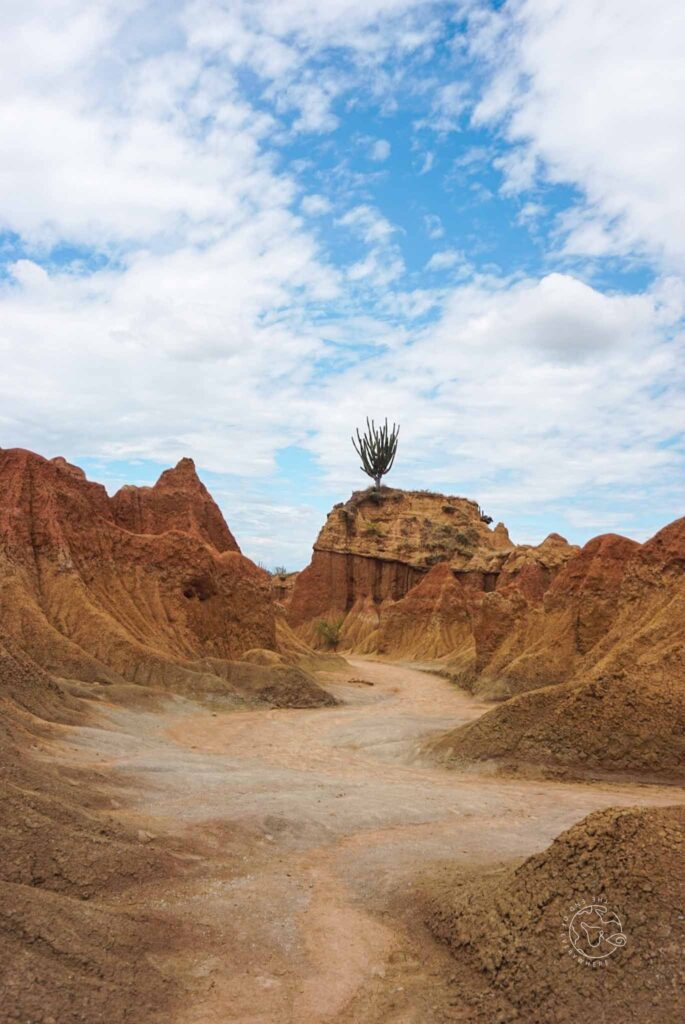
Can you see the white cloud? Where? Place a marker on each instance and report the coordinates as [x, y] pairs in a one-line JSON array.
[[368, 223], [279, 40], [530, 213], [444, 260], [450, 102], [428, 162], [592, 93], [383, 262], [379, 150], [525, 394], [433, 226], [315, 205]]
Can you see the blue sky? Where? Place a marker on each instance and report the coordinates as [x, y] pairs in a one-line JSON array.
[[233, 229]]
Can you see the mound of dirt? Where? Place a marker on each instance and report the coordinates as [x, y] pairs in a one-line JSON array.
[[64, 961], [609, 725], [517, 926], [147, 587], [53, 833], [283, 686], [62, 958]]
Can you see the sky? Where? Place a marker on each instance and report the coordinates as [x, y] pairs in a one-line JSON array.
[[232, 229]]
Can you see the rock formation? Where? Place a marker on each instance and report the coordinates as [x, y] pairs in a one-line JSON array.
[[516, 925], [407, 572], [596, 634], [617, 606], [178, 501], [146, 587], [603, 654], [542, 641]]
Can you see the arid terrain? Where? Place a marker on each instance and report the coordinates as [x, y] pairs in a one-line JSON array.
[[297, 846], [208, 816]]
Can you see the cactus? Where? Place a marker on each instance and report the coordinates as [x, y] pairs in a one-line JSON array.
[[377, 449]]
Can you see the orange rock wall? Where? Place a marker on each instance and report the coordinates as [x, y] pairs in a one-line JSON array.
[[89, 597], [407, 571]]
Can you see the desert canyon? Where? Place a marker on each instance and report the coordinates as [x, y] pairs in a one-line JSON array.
[[368, 791]]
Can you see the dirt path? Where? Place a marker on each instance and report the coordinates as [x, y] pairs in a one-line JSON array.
[[312, 827]]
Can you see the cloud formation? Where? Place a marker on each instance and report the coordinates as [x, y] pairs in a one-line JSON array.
[[211, 244], [590, 94]]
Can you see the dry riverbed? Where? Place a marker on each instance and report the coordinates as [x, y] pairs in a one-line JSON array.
[[307, 833]]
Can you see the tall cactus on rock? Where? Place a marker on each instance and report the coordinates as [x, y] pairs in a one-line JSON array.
[[376, 448]]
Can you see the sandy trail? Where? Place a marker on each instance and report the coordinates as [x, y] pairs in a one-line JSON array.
[[312, 827]]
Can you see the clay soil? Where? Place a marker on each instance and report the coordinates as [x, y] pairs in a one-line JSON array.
[[294, 848]]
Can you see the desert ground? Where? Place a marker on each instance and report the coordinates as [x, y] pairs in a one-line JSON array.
[[306, 841]]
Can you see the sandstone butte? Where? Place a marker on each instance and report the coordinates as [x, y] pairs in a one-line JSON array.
[[408, 572], [589, 643], [148, 586]]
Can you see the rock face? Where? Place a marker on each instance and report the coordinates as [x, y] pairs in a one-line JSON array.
[[406, 573], [147, 587], [433, 617], [178, 501], [610, 633], [538, 642], [616, 606], [516, 926]]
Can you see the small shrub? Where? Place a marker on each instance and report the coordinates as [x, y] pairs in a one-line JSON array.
[[279, 570], [373, 529], [434, 559], [376, 496], [330, 632]]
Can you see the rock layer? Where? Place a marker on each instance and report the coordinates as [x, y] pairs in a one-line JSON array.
[[147, 587], [405, 573], [603, 654]]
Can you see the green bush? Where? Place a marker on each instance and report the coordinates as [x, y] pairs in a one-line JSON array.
[[330, 632], [373, 529]]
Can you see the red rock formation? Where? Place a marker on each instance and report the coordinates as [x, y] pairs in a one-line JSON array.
[[373, 568], [522, 643], [178, 501], [610, 633], [87, 596], [435, 616]]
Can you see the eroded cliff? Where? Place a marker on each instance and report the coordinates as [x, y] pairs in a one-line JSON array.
[[405, 573], [147, 587]]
